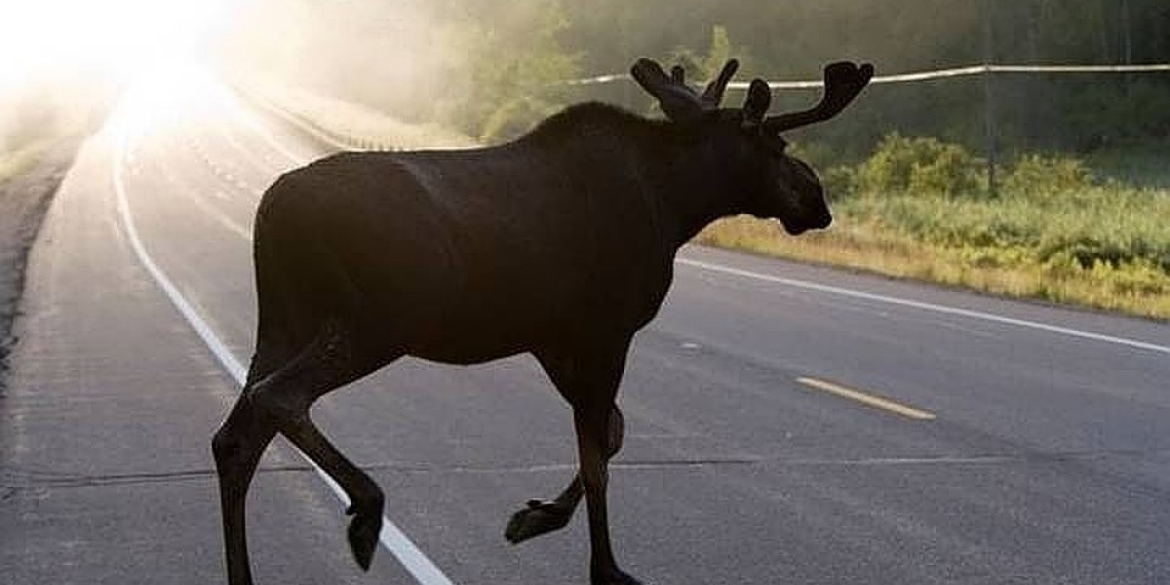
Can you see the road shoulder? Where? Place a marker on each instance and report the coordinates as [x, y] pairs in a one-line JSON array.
[[24, 200]]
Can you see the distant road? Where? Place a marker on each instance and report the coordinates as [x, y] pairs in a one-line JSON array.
[[786, 423]]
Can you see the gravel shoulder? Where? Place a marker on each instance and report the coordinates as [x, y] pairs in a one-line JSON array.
[[24, 199]]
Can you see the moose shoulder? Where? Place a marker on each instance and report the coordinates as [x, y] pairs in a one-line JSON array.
[[559, 244]]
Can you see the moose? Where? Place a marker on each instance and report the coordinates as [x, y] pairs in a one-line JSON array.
[[559, 244]]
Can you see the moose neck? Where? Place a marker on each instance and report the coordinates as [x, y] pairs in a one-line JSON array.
[[679, 173], [699, 187]]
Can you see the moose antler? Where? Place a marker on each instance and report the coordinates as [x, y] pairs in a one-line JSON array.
[[843, 81], [677, 99]]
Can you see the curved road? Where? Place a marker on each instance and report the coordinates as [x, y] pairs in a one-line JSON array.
[[786, 423]]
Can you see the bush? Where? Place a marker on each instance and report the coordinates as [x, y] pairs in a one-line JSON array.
[[920, 165], [958, 222], [1035, 175], [840, 182]]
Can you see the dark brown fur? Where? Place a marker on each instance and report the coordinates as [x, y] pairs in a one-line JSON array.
[[560, 244]]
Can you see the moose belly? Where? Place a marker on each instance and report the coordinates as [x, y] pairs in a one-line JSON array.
[[482, 325], [468, 350]]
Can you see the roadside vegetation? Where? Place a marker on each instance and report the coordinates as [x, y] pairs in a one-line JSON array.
[[39, 136], [38, 117], [18, 160], [919, 208], [30, 121]]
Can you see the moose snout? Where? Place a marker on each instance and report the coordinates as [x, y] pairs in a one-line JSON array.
[[809, 220], [821, 220]]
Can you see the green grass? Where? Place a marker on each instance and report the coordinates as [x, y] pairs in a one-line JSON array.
[[1094, 233], [15, 162], [1104, 247]]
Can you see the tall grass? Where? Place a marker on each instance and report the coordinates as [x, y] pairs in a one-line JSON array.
[[1052, 232]]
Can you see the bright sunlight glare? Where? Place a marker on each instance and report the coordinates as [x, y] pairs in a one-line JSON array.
[[115, 37]]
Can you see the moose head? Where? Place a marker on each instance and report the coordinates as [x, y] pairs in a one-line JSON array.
[[772, 183]]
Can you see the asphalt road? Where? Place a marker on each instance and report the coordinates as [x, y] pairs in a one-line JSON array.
[[786, 423]]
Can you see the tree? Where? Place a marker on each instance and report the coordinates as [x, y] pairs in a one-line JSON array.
[[516, 71]]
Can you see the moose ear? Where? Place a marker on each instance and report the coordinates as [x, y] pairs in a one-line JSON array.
[[678, 101], [759, 97]]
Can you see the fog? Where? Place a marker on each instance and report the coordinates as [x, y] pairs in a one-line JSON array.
[[492, 68], [395, 52], [446, 61]]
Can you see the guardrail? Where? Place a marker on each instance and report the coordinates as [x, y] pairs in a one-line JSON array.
[[306, 124], [922, 75], [347, 126]]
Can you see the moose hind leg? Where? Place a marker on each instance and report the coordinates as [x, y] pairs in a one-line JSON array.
[[237, 447], [540, 516], [286, 396]]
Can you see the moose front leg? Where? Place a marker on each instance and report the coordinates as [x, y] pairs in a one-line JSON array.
[[540, 516], [588, 378], [591, 423]]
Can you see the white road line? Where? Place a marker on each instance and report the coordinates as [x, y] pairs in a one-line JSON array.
[[392, 538], [217, 347], [927, 306], [223, 219]]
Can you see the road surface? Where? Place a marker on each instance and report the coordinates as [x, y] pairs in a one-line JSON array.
[[786, 423]]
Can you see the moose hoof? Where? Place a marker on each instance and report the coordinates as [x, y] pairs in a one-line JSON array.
[[363, 538], [536, 519]]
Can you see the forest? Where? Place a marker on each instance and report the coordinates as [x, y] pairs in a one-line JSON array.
[[492, 68]]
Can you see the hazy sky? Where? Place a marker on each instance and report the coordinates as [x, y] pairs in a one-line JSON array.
[[114, 36]]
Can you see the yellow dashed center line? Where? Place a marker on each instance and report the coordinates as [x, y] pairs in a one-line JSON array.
[[867, 399]]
